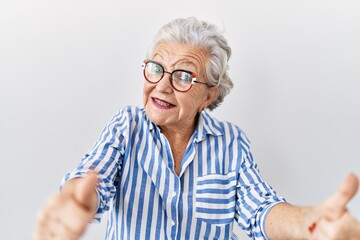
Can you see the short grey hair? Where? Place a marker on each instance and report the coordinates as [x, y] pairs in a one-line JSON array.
[[207, 37]]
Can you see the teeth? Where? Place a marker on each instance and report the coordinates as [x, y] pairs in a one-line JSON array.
[[162, 103]]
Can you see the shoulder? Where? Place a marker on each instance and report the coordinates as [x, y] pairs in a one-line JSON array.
[[130, 112], [128, 116]]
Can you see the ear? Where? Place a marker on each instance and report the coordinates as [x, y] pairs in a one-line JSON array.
[[212, 95]]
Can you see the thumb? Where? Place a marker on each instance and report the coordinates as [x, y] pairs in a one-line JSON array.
[[337, 203], [84, 190]]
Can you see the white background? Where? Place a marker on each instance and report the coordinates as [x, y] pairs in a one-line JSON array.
[[67, 66]]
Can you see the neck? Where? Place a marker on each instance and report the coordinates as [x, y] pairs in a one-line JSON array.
[[176, 134]]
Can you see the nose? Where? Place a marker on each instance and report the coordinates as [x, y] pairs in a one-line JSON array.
[[164, 85]]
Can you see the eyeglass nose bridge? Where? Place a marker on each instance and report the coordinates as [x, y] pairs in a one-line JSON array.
[[170, 78], [168, 73], [163, 76]]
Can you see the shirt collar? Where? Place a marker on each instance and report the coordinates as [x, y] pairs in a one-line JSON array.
[[206, 125], [150, 124]]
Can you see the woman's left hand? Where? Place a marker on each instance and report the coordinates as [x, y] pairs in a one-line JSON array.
[[346, 227], [331, 218]]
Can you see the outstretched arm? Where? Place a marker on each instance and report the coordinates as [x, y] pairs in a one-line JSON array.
[[67, 214], [328, 220]]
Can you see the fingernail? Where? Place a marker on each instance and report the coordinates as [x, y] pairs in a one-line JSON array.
[[312, 227]]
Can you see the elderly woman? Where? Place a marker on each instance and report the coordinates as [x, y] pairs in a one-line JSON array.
[[170, 170]]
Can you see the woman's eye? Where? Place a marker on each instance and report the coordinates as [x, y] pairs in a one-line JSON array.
[[155, 68], [186, 77], [158, 69], [182, 76]]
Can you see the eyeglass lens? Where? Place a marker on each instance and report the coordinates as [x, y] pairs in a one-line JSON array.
[[181, 80]]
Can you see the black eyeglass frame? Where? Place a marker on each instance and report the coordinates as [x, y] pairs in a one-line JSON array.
[[193, 75]]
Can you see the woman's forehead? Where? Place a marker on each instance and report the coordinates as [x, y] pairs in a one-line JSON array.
[[174, 54]]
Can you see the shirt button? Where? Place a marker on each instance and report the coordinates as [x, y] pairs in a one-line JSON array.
[[174, 194], [172, 223]]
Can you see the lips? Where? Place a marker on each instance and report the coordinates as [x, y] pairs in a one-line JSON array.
[[162, 103]]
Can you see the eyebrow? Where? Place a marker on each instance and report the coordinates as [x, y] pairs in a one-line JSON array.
[[180, 61]]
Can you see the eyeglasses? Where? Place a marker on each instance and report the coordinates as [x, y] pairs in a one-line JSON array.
[[181, 80]]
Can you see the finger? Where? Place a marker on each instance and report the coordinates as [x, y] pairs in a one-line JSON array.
[[338, 202], [74, 219], [85, 189], [63, 233], [45, 218], [347, 189]]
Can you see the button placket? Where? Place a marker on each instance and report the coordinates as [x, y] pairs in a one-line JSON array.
[[173, 194], [174, 205]]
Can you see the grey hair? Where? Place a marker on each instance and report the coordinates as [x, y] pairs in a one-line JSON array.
[[207, 37]]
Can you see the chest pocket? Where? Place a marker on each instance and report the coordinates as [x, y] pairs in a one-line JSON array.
[[215, 198]]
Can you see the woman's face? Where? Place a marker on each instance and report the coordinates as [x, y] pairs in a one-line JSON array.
[[167, 107]]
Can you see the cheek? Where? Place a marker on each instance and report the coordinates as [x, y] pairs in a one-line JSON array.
[[192, 101], [198, 98], [146, 92]]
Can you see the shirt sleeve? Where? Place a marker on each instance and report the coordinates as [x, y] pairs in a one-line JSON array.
[[255, 198], [105, 157]]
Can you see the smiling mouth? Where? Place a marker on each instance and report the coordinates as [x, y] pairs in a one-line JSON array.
[[162, 103]]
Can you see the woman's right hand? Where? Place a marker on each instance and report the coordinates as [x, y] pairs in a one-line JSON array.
[[66, 214]]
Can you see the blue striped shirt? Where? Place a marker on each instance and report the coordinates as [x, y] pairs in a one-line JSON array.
[[218, 182]]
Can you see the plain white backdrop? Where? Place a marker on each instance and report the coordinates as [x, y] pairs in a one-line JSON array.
[[67, 66]]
